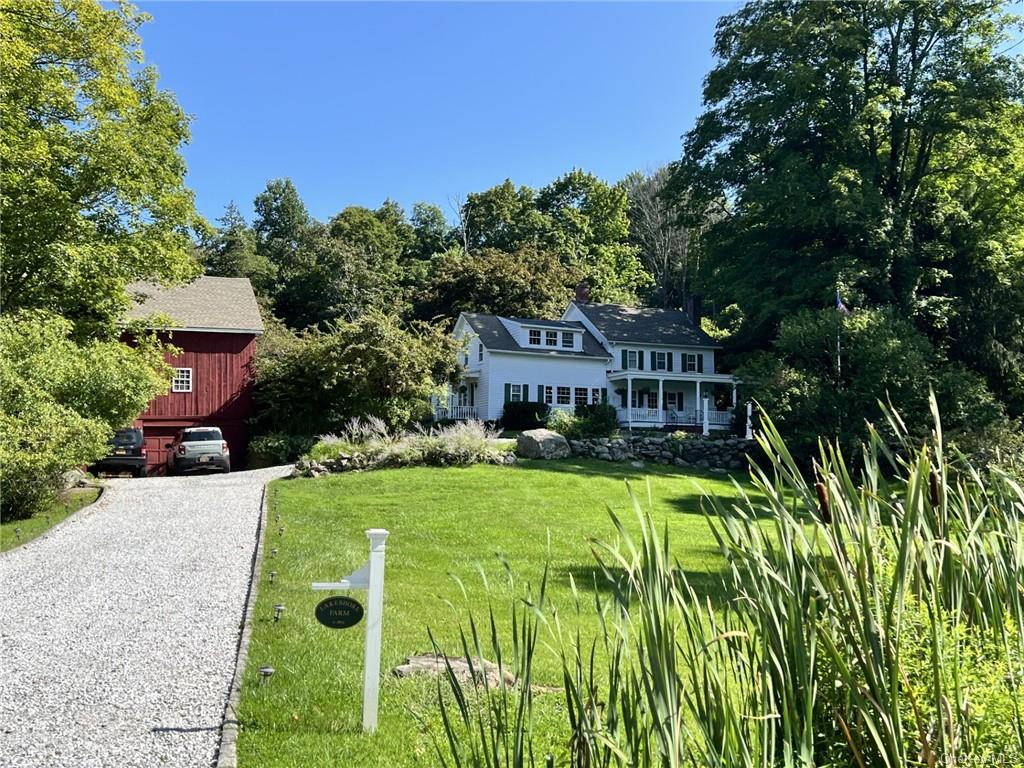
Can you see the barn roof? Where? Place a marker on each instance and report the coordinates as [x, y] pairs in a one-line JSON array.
[[208, 304]]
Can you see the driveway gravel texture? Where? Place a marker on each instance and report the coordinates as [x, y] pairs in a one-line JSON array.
[[119, 629]]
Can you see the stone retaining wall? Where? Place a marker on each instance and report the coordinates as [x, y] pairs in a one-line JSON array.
[[714, 453]]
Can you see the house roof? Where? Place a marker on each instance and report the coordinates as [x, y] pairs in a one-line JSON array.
[[645, 325], [532, 321], [210, 304], [496, 338]]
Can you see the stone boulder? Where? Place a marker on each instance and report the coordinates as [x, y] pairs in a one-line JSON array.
[[542, 444], [436, 665]]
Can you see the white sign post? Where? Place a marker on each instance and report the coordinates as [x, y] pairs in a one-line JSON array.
[[371, 578]]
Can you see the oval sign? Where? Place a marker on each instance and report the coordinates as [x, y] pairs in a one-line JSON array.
[[339, 612]]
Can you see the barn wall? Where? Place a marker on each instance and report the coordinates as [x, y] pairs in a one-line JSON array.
[[221, 396]]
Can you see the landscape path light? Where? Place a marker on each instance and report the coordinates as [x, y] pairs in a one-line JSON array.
[[280, 530], [17, 532], [272, 575], [273, 552], [265, 673], [278, 610]]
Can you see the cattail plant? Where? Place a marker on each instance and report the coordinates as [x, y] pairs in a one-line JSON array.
[[872, 617]]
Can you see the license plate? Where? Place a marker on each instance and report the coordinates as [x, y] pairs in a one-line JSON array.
[[205, 458], [120, 452]]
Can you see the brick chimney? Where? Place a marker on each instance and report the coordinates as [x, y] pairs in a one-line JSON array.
[[694, 309], [583, 292]]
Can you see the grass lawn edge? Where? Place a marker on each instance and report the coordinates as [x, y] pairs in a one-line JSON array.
[[9, 526]]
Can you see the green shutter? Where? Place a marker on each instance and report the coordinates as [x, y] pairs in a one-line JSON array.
[[540, 393], [654, 360], [625, 360], [525, 389], [700, 362], [508, 393], [604, 395], [669, 356], [640, 358]]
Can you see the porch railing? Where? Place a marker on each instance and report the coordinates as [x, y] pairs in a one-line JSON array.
[[682, 417], [456, 412]]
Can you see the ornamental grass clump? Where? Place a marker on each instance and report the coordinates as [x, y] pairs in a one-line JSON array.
[[873, 618], [369, 444]]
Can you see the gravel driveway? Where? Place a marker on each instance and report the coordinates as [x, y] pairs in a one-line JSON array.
[[118, 631]]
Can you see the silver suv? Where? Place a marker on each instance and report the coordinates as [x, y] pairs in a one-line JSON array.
[[198, 448]]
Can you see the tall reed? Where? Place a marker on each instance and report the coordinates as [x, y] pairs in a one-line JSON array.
[[874, 618]]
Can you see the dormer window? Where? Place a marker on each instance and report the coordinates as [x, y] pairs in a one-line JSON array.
[[535, 337], [479, 352], [551, 338], [567, 340]]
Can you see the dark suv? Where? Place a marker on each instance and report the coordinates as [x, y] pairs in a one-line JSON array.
[[198, 448], [127, 453]]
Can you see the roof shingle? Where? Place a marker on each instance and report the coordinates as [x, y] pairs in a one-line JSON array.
[[225, 304], [645, 325], [495, 337]]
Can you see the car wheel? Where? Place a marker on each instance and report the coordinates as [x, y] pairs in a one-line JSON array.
[[140, 472], [227, 467]]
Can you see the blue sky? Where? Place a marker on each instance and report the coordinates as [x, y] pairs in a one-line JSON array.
[[425, 101]]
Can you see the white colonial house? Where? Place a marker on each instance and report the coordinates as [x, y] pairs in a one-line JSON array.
[[654, 365]]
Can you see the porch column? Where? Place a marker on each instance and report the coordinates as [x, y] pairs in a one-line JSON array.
[[661, 400], [707, 426], [734, 394], [750, 416], [629, 401], [696, 403]]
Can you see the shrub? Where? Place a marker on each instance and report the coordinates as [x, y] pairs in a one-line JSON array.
[[527, 414], [599, 420], [374, 366], [278, 448], [60, 400]]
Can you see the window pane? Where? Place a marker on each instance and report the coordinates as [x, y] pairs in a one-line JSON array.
[[631, 359], [516, 393], [563, 396], [595, 395], [201, 435], [581, 395], [535, 337], [551, 338], [567, 339], [548, 395], [182, 381]]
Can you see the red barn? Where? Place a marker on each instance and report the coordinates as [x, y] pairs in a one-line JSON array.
[[215, 323]]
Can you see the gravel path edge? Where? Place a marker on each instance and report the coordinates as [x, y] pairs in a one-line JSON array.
[[227, 753], [76, 515]]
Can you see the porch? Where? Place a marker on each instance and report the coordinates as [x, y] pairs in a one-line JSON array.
[[660, 399]]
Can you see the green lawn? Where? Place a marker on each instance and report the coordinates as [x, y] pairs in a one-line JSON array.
[[443, 522], [68, 502]]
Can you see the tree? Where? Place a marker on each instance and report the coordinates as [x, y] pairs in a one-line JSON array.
[[329, 278], [281, 221], [524, 283], [93, 179], [60, 400], [231, 252], [663, 242], [808, 393], [373, 366], [829, 127], [578, 217], [590, 231], [431, 231]]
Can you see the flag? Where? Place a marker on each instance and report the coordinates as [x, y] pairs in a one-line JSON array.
[[840, 306]]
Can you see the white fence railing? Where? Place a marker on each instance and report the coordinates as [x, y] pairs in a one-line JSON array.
[[682, 417], [456, 412]]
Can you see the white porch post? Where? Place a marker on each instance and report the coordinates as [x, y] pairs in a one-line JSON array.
[[629, 401], [750, 416], [696, 403], [734, 394], [707, 426], [661, 399]]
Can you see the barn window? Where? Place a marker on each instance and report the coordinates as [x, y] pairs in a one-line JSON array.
[[182, 381]]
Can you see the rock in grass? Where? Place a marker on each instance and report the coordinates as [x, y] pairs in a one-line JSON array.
[[434, 664]]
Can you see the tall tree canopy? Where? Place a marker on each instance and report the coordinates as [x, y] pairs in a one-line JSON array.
[[578, 217], [92, 174], [873, 147]]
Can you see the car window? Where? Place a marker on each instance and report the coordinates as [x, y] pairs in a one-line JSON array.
[[127, 438], [201, 435]]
